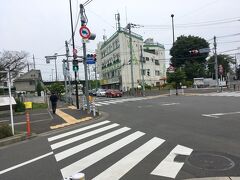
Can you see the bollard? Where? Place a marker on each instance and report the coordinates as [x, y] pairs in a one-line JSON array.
[[78, 176], [83, 102], [28, 123], [94, 107]]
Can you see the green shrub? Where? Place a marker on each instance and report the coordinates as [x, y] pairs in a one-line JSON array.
[[20, 107], [5, 131], [39, 106]]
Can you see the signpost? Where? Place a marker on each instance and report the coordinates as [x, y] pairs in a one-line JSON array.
[[84, 32]]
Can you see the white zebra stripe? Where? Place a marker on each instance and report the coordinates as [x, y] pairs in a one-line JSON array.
[[89, 160], [76, 149], [168, 167], [82, 136], [124, 165], [77, 131]]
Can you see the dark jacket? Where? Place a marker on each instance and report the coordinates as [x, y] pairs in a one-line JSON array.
[[53, 99]]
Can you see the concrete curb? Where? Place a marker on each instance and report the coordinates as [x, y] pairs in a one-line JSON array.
[[15, 139], [216, 178]]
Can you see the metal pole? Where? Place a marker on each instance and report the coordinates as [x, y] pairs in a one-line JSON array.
[[65, 80], [216, 62], [96, 83], [56, 68], [143, 83], [75, 73], [131, 60], [52, 74], [85, 60], [10, 99], [172, 15], [34, 64]]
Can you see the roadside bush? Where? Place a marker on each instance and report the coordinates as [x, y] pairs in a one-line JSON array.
[[39, 105], [20, 107], [5, 131]]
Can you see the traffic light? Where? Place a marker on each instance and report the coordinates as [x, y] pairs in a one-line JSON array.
[[75, 65]]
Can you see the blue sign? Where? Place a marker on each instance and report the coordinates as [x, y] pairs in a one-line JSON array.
[[90, 60]]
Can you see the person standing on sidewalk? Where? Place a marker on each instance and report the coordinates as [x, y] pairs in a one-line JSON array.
[[54, 99]]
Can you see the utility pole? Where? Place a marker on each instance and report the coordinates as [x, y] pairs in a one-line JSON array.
[[75, 72], [69, 89], [10, 99], [131, 59], [56, 69], [216, 62], [83, 22], [34, 65], [143, 83]]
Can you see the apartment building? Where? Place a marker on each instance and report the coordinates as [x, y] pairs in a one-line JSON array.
[[114, 64]]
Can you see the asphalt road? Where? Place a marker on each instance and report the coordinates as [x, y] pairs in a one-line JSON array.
[[140, 138]]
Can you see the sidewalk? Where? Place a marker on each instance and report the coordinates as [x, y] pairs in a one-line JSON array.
[[43, 120]]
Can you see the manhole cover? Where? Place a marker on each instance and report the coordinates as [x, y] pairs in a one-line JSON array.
[[211, 162]]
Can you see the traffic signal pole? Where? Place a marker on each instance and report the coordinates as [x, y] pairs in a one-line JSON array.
[[85, 59], [75, 72]]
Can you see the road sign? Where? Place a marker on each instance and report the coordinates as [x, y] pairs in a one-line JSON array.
[[84, 32]]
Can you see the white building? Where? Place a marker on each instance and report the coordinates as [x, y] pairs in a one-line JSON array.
[[114, 64]]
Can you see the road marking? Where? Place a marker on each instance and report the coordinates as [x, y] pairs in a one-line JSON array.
[[82, 136], [81, 147], [25, 163], [124, 165], [38, 114], [170, 104], [32, 122], [77, 131], [219, 114], [89, 160], [168, 167], [4, 120]]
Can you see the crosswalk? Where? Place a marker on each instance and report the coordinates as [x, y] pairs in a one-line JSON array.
[[85, 147], [119, 100], [222, 94]]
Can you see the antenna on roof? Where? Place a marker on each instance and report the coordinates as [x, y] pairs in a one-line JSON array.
[[117, 18]]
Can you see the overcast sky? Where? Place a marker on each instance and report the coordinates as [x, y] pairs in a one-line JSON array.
[[40, 27]]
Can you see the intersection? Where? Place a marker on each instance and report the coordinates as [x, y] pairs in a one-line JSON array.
[[137, 138]]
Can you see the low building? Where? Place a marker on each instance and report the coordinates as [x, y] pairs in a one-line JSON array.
[[28, 82], [114, 62]]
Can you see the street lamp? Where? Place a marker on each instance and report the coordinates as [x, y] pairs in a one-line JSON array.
[[172, 15]]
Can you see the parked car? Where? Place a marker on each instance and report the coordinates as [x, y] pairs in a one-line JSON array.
[[113, 93], [101, 92], [92, 92]]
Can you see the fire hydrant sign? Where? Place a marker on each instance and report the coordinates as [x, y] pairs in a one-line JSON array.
[[84, 32]]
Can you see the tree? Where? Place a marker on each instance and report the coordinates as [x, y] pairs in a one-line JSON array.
[[181, 56], [225, 60], [178, 77], [14, 60], [39, 88], [57, 87]]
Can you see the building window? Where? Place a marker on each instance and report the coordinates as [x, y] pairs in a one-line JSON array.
[[148, 72], [157, 62], [157, 73], [147, 58], [30, 83]]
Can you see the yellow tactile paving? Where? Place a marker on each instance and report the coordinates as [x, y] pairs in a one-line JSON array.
[[65, 116], [69, 119]]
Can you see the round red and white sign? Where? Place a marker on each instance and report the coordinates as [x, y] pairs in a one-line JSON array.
[[84, 32]]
